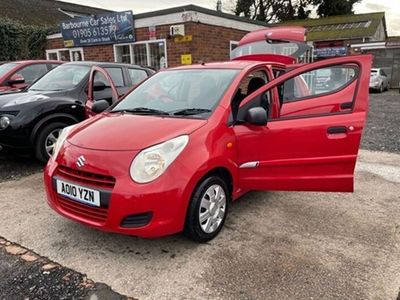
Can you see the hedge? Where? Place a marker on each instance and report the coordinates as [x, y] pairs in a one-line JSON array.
[[20, 41]]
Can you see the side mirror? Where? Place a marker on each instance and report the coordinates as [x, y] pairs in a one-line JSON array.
[[100, 106], [16, 79], [257, 116], [99, 86]]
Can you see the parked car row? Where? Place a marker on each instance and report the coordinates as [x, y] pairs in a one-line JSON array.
[[33, 119]]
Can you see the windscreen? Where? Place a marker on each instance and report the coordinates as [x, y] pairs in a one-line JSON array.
[[62, 78], [177, 90]]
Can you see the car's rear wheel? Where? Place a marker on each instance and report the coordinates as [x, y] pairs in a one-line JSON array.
[[46, 140], [207, 209], [381, 88]]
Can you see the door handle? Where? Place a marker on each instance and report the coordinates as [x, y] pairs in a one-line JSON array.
[[337, 130], [346, 105]]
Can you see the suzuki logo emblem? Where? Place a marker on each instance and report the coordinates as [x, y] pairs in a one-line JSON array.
[[81, 161]]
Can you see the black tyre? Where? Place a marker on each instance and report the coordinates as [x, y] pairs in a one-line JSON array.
[[46, 139], [207, 209], [381, 89]]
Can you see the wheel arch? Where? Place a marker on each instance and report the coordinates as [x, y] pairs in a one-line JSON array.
[[58, 117]]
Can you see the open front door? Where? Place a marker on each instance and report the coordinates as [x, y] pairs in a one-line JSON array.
[[279, 44], [313, 144], [101, 87]]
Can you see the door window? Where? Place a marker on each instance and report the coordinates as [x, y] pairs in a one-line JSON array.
[[251, 83], [116, 76], [33, 72], [312, 92], [137, 76]]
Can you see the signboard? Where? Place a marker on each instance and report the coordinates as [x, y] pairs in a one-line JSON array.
[[107, 28], [186, 59], [330, 52], [183, 38]]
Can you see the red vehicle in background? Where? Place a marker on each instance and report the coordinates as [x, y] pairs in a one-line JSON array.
[[173, 154], [17, 75]]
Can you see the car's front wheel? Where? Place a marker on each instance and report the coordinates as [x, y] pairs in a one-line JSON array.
[[46, 140], [207, 209]]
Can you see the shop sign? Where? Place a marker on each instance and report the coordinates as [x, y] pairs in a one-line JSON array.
[[107, 28], [330, 52], [186, 59], [183, 39]]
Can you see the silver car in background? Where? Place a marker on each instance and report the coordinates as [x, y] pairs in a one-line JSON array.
[[378, 81]]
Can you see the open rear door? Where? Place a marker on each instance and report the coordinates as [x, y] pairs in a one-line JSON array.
[[279, 44]]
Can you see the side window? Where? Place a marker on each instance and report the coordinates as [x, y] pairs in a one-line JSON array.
[[31, 73], [319, 92], [99, 77], [383, 73], [251, 83], [103, 94], [137, 76], [116, 76], [316, 82]]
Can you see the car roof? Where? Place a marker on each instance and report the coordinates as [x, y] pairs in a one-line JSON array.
[[103, 64], [238, 64], [37, 61]]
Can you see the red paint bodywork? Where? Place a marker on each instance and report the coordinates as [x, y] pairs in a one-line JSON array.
[[21, 64], [294, 153]]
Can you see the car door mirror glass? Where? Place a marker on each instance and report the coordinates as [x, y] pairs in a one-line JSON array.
[[100, 106], [99, 86], [16, 79], [257, 116]]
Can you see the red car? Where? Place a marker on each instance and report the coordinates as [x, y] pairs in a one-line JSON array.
[[17, 75], [175, 152]]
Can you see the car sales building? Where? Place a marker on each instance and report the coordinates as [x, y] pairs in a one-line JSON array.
[[165, 38]]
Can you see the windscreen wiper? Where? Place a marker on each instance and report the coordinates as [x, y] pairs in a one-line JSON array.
[[191, 111], [142, 110]]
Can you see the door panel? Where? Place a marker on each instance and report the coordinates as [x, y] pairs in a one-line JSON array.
[[307, 153]]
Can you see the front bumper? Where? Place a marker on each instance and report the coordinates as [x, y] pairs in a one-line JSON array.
[[161, 205]]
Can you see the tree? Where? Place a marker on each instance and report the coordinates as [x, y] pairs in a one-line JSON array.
[[282, 10], [326, 8], [272, 10]]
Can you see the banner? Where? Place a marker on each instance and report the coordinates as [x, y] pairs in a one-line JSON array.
[[110, 28]]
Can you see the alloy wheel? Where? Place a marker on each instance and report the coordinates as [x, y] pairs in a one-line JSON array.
[[51, 140], [212, 208]]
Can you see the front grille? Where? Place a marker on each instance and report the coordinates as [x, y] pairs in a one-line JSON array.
[[102, 181], [10, 113], [137, 220], [96, 214]]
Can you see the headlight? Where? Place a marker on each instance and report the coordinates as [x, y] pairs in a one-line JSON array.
[[152, 162], [4, 122], [61, 139]]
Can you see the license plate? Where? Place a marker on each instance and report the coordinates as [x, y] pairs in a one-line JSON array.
[[78, 193]]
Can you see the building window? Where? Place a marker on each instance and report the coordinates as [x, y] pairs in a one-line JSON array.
[[233, 45], [73, 54], [148, 53]]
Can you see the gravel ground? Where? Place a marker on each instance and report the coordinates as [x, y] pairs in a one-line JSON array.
[[383, 126]]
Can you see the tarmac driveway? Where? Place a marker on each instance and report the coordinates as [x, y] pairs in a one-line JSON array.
[[274, 246]]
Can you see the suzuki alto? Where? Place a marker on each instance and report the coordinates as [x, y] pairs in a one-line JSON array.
[[176, 151]]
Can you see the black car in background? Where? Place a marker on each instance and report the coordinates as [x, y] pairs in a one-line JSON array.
[[34, 118]]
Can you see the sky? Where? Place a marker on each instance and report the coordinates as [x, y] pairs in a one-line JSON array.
[[391, 7]]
